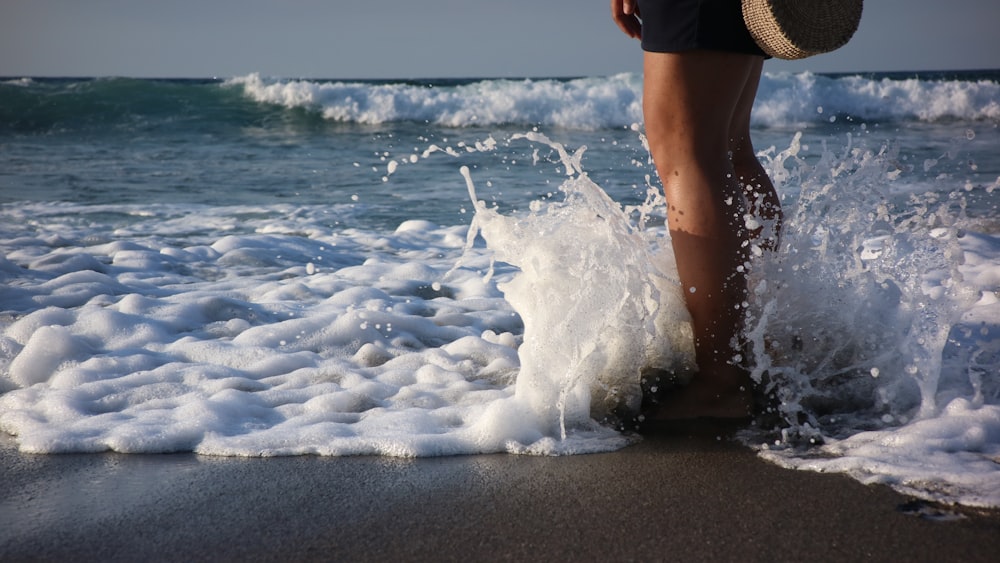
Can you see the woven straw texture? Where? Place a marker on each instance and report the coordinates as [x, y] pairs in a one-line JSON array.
[[795, 29]]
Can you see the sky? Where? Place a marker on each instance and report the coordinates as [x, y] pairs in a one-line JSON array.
[[427, 38]]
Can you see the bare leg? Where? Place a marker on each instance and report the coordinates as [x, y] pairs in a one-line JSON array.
[[690, 101], [762, 200]]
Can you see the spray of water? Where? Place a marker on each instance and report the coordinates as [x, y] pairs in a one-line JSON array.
[[847, 320], [591, 290], [852, 314]]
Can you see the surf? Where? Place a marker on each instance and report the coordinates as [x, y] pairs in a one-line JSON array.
[[321, 292]]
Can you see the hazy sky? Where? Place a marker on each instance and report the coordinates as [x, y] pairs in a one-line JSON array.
[[426, 38]]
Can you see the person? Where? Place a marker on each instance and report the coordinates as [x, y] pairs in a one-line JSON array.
[[701, 69]]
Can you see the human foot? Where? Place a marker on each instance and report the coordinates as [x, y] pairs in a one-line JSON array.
[[701, 398]]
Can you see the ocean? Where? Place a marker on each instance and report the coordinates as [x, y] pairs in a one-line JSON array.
[[258, 266]]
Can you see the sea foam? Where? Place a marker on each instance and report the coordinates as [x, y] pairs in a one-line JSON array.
[[268, 330]]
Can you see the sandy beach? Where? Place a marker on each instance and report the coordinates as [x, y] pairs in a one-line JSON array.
[[686, 492]]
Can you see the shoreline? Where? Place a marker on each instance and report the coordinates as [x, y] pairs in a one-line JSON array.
[[685, 492]]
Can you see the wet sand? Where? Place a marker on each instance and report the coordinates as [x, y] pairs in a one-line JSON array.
[[685, 493]]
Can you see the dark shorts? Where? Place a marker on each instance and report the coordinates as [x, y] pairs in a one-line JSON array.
[[671, 26]]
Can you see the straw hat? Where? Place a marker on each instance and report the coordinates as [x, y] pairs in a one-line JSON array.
[[795, 29]]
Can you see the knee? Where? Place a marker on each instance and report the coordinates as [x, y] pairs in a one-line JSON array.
[[681, 147]]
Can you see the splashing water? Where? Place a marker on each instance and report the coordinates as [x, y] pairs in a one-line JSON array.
[[849, 318], [871, 328], [849, 322], [590, 290], [853, 314], [862, 330]]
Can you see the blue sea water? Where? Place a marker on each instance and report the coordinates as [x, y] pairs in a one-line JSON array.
[[265, 266]]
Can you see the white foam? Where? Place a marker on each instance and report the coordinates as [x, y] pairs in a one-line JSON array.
[[238, 347], [195, 331], [951, 456], [784, 99]]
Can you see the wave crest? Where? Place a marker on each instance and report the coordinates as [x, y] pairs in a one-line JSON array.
[[585, 103], [784, 99], [801, 98]]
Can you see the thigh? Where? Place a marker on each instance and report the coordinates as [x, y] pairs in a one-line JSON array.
[[693, 95]]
